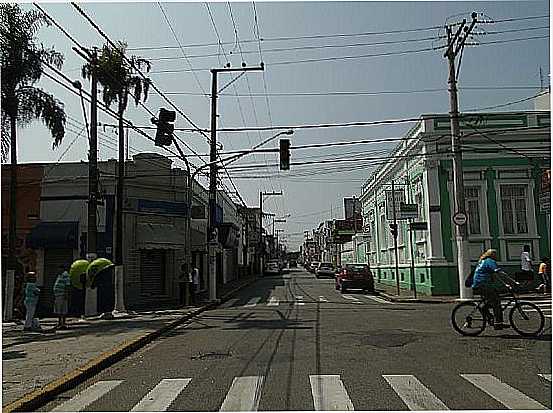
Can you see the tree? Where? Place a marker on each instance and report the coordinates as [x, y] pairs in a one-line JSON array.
[[22, 61], [118, 77]]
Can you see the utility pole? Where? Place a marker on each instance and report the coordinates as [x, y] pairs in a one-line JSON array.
[[454, 46], [212, 222], [92, 232], [395, 233]]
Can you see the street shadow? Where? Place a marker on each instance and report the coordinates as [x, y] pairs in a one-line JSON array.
[[14, 354], [542, 337]]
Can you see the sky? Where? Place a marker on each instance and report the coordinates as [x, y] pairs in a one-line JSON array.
[[270, 98]]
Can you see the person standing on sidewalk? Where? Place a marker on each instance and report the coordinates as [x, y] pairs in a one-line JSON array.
[[62, 290], [195, 285], [32, 293], [526, 262], [545, 274]]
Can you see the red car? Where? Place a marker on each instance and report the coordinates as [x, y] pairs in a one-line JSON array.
[[355, 276]]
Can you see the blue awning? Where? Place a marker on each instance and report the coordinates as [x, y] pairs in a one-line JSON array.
[[54, 235]]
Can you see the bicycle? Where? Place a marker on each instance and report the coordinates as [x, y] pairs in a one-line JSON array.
[[470, 318]]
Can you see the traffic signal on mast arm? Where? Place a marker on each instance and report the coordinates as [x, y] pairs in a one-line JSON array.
[[165, 127], [285, 154], [393, 229]]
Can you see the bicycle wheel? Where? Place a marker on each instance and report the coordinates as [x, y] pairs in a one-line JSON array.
[[527, 319], [467, 319]]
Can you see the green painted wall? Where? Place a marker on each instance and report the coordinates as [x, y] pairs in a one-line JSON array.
[[493, 210], [444, 212]]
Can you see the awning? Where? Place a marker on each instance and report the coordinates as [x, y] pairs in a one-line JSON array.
[[159, 236], [54, 235]]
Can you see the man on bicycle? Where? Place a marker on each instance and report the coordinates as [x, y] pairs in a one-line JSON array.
[[483, 284]]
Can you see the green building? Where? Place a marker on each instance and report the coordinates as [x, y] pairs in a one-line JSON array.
[[505, 156]]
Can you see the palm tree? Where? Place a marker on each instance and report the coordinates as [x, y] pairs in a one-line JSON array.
[[22, 61], [118, 77]]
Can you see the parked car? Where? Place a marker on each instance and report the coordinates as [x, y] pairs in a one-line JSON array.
[[293, 263], [272, 267], [313, 266], [325, 269], [355, 276]]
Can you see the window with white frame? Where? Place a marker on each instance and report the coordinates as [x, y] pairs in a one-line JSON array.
[[472, 205], [514, 209], [372, 231], [419, 200]]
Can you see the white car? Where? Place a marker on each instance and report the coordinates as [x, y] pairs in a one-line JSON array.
[[325, 269]]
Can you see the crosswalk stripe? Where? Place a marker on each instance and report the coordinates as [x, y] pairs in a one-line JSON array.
[[323, 299], [230, 303], [378, 300], [87, 396], [244, 395], [273, 301], [546, 376], [160, 397], [299, 300], [329, 393], [503, 393], [253, 302], [413, 393], [349, 297]]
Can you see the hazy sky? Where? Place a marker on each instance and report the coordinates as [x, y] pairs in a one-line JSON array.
[[310, 192]]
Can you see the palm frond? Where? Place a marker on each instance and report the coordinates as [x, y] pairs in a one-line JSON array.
[[38, 104]]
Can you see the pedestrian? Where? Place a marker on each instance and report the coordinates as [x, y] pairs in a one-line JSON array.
[[32, 293], [62, 291], [195, 285], [545, 273], [526, 263]]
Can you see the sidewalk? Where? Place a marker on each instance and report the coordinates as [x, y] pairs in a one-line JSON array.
[[38, 365], [407, 296]]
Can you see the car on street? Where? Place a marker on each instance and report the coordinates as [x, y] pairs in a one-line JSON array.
[[325, 269], [272, 267], [355, 276], [313, 266]]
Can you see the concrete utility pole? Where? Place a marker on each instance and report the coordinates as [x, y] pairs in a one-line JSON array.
[[92, 229], [212, 222], [455, 45]]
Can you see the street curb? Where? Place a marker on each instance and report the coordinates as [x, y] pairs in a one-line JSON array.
[[39, 397], [445, 301]]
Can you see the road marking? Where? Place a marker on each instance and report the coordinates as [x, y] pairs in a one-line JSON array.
[[160, 397], [323, 299], [378, 300], [503, 393], [253, 302], [349, 297], [299, 300], [273, 301], [413, 393], [546, 376], [244, 395], [87, 396], [329, 393]]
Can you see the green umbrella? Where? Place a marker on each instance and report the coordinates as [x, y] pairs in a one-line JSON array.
[[77, 269], [95, 268]]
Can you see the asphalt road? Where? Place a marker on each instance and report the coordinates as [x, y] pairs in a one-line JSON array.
[[293, 342]]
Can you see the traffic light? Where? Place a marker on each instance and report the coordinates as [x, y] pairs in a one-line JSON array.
[[393, 229], [165, 127], [285, 154]]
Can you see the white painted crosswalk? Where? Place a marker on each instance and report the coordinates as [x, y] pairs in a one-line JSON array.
[[329, 392], [300, 300], [503, 393], [414, 394], [161, 396]]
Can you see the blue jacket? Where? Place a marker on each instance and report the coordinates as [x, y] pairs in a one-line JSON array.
[[483, 272]]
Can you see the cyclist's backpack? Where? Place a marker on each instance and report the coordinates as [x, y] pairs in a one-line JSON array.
[[469, 280]]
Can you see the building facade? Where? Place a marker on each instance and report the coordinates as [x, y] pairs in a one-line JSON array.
[[504, 158]]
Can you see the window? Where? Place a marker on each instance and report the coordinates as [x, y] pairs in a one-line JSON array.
[[513, 209], [472, 198], [383, 228], [419, 201]]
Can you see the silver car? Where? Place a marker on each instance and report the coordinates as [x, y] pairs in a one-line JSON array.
[[325, 269]]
